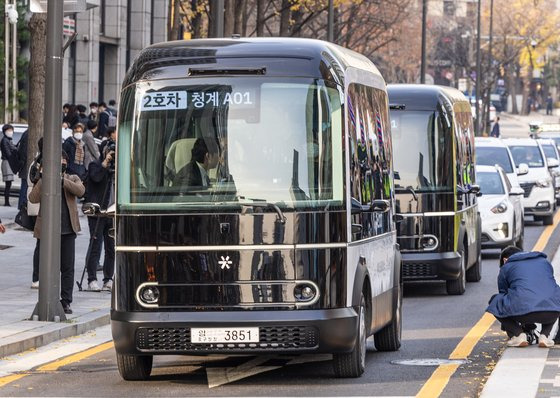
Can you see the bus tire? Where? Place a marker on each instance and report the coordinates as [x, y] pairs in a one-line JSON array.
[[548, 220], [353, 363], [389, 338], [134, 367], [457, 286], [474, 273]]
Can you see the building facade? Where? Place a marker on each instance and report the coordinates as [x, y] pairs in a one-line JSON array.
[[108, 39]]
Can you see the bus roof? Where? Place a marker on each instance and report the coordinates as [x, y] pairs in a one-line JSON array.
[[422, 97], [309, 58]]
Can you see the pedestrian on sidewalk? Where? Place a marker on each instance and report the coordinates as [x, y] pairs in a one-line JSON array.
[[528, 293], [2, 227], [22, 154], [549, 105], [72, 189], [496, 128], [10, 160], [100, 190], [75, 148], [90, 147]]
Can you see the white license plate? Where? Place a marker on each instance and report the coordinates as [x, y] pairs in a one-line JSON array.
[[224, 335]]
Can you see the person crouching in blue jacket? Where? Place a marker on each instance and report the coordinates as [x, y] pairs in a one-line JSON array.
[[528, 293]]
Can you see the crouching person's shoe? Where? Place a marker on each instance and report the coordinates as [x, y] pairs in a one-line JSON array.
[[545, 342], [518, 341]]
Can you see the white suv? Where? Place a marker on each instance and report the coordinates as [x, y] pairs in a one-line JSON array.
[[539, 199], [492, 151]]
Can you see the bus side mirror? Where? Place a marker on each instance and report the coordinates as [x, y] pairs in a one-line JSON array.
[[380, 205], [523, 169], [396, 175], [475, 189]]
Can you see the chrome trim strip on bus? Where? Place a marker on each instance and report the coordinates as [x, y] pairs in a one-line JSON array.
[[371, 238], [297, 304], [436, 213], [303, 246]]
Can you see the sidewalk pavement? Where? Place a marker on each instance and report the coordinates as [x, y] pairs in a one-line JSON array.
[[527, 372], [517, 126], [17, 299]]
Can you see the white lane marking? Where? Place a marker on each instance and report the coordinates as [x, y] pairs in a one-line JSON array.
[[220, 376], [30, 359]]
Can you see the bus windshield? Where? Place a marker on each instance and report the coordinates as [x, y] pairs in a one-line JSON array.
[[226, 141], [423, 151]]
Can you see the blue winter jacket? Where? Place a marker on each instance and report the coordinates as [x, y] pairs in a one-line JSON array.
[[526, 284]]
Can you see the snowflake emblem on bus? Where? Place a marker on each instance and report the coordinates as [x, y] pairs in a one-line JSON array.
[[225, 262]]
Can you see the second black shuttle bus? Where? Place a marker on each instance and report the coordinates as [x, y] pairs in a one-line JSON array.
[[434, 154], [255, 204]]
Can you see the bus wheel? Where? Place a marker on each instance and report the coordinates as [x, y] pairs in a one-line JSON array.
[[353, 364], [474, 273], [458, 286], [134, 367], [389, 338]]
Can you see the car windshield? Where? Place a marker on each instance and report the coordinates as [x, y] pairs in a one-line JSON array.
[[491, 156], [210, 142], [423, 151], [549, 151], [531, 155], [490, 183]]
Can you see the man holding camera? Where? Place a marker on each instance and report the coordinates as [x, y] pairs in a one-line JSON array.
[[100, 190]]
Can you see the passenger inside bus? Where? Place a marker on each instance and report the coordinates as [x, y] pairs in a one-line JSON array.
[[205, 156]]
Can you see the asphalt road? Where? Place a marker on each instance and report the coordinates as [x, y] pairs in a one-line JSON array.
[[434, 323]]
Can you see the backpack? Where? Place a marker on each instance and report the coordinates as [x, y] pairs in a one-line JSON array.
[[112, 119]]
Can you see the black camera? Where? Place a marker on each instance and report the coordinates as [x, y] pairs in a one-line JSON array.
[[111, 147]]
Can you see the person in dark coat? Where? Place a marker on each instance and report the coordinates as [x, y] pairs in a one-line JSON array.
[[102, 119], [496, 128], [9, 158], [100, 190], [82, 115], [75, 148], [528, 293], [195, 173], [22, 154]]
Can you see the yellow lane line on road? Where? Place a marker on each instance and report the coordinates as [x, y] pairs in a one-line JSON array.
[[437, 382], [55, 365]]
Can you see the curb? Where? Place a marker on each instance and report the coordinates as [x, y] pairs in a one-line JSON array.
[[48, 332]]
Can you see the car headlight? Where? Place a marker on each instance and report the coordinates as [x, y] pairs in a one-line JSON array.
[[499, 208], [543, 183]]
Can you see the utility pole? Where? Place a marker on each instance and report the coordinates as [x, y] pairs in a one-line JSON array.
[[423, 61], [6, 64], [49, 307], [14, 71], [490, 63], [330, 25], [478, 73], [218, 18]]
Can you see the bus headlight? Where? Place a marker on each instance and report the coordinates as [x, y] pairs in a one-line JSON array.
[[150, 295], [305, 292]]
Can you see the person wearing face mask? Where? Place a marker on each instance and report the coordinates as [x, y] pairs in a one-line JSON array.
[[75, 148], [10, 160], [93, 111], [72, 188]]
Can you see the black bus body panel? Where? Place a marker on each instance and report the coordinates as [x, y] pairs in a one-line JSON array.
[[257, 289], [457, 222]]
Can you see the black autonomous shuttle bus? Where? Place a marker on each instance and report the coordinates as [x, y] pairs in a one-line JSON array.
[[434, 155], [254, 209]]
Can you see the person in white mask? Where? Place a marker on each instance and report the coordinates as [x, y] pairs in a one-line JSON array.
[[10, 160], [93, 111], [74, 147]]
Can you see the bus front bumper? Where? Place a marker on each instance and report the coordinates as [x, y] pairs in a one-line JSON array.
[[431, 266], [282, 331]]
